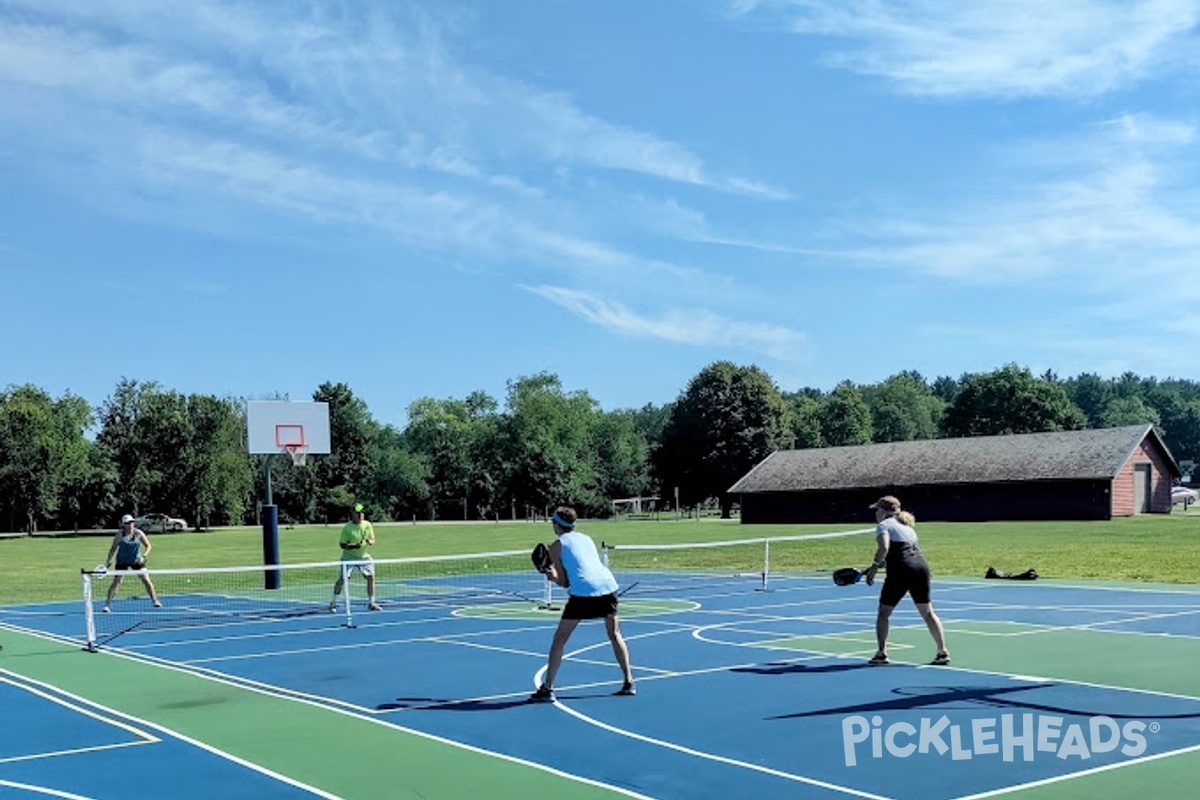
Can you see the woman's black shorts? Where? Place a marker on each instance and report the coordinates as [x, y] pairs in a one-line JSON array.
[[905, 576], [590, 607]]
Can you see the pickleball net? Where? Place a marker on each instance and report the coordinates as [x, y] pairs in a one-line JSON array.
[[752, 564], [227, 596], [204, 598]]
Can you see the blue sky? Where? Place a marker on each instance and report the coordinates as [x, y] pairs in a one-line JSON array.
[[426, 199]]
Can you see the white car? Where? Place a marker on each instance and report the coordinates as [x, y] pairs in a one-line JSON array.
[[1184, 495], [160, 522]]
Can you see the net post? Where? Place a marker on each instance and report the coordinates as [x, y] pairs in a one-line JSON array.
[[766, 571], [89, 615], [347, 571]]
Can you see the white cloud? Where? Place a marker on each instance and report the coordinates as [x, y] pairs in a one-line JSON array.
[[1110, 206], [999, 48], [379, 83], [697, 327]]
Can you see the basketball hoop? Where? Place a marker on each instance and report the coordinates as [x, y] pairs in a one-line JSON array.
[[298, 453]]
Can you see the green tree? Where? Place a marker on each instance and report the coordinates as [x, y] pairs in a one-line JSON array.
[[441, 431], [903, 408], [217, 467], [1122, 411], [845, 417], [1092, 394], [397, 487], [946, 388], [41, 449], [545, 440], [347, 466], [804, 419], [621, 455], [1010, 400], [120, 438], [728, 419]]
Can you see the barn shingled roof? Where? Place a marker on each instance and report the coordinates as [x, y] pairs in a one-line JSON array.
[[1059, 455]]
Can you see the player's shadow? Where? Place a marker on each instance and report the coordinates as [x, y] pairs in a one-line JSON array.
[[807, 669], [994, 697], [444, 704]]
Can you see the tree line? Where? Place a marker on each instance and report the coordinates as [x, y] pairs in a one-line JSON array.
[[67, 465]]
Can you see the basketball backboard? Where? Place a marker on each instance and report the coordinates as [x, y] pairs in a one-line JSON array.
[[272, 426]]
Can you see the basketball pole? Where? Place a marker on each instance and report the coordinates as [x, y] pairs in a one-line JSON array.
[[270, 523]]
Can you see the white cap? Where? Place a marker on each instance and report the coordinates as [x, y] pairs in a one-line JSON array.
[[126, 518]]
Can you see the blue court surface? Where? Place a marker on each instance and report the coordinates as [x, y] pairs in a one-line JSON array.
[[1055, 691]]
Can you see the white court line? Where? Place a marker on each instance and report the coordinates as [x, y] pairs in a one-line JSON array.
[[43, 790], [23, 683], [75, 751], [1074, 775]]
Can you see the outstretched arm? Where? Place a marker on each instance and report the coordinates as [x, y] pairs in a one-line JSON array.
[[557, 573]]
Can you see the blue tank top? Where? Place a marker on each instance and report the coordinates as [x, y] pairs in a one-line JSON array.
[[129, 552], [587, 575]]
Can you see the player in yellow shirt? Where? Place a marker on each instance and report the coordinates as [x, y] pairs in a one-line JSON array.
[[357, 536]]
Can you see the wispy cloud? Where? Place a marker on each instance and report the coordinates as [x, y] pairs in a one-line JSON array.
[[405, 100], [1113, 205], [997, 48], [698, 327]]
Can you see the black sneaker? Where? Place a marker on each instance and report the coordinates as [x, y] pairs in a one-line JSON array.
[[543, 695], [626, 690]]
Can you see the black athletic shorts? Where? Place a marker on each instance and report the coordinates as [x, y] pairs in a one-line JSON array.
[[907, 573], [138, 565], [590, 607]]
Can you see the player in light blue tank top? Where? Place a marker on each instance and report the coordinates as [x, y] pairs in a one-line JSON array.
[[576, 566]]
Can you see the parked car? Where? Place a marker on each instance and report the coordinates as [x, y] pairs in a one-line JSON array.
[[160, 522], [1183, 495]]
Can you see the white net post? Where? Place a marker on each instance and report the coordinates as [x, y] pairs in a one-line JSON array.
[[347, 571], [766, 572], [88, 613]]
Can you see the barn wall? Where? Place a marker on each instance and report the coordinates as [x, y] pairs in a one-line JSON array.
[[1160, 482], [1034, 500]]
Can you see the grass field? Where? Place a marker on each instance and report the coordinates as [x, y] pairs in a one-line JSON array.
[[1144, 548]]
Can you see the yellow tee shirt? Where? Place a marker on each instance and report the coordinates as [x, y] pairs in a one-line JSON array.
[[356, 534]]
